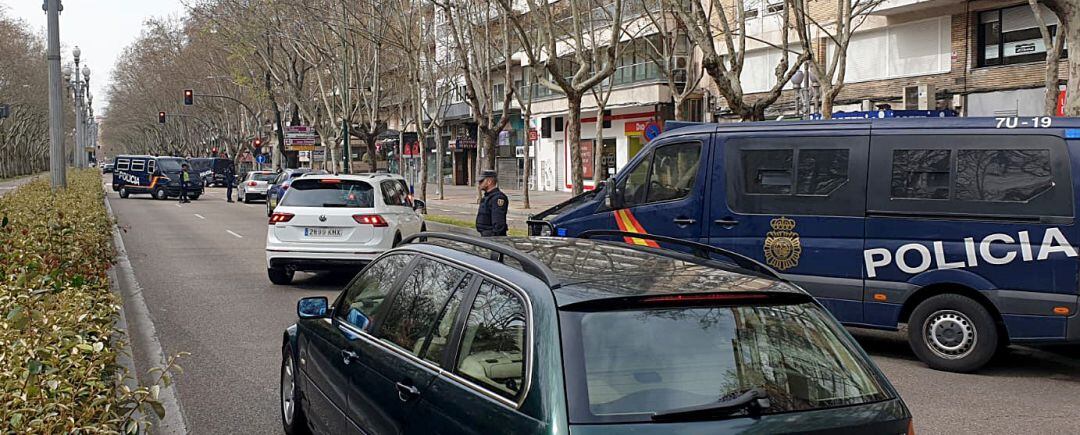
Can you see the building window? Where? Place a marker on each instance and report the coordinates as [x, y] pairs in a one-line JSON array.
[[559, 124], [1011, 36]]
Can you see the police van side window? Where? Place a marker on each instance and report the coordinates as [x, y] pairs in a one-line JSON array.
[[1024, 177], [138, 165], [123, 165], [151, 165], [797, 175], [921, 173], [1002, 175]]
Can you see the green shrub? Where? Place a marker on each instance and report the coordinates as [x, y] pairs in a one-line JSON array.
[[58, 371]]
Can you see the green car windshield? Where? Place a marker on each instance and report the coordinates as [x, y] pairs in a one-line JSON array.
[[626, 365]]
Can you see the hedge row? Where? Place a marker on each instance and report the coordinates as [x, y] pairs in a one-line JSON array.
[[58, 371]]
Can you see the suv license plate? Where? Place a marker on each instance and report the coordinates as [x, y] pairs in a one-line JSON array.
[[322, 232]]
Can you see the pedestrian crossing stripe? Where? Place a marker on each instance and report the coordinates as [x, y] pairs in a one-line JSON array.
[[626, 222]]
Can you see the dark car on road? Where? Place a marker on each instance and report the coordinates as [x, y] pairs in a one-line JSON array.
[[452, 334], [281, 183]]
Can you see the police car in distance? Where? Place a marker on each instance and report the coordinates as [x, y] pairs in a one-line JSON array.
[[157, 176], [964, 229]]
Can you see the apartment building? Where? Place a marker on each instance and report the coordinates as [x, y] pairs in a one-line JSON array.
[[980, 58]]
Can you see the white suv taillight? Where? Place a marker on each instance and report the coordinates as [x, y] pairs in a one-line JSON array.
[[252, 183], [280, 218], [370, 219]]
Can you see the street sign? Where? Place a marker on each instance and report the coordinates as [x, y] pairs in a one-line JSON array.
[[260, 159], [301, 147], [652, 131], [299, 129], [318, 155], [301, 141], [533, 134], [5, 111]]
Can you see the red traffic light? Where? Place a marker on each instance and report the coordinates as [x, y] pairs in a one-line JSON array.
[[215, 150], [189, 97], [257, 143], [161, 117]]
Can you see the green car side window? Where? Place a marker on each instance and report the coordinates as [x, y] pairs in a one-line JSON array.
[[493, 344], [367, 292]]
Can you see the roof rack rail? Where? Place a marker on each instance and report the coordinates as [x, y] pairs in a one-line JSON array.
[[699, 250], [531, 264]]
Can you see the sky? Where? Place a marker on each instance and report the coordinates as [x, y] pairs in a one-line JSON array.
[[100, 28]]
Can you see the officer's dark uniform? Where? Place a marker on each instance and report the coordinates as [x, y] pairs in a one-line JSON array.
[[230, 176], [491, 217]]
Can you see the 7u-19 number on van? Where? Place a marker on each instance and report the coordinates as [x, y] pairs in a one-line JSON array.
[[1013, 122]]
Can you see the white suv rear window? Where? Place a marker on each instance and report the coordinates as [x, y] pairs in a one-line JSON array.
[[329, 192]]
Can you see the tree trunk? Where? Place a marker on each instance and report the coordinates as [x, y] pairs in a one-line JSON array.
[[423, 166], [598, 145], [1072, 92], [528, 164], [828, 95], [573, 103], [440, 148], [679, 111]]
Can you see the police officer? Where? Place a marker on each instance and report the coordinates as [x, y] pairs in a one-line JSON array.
[[185, 178], [230, 177], [491, 217]]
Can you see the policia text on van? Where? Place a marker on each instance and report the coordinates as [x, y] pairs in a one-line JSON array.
[[962, 228]]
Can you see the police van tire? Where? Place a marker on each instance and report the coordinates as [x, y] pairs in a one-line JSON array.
[[953, 333], [194, 196], [160, 194], [280, 275], [124, 192]]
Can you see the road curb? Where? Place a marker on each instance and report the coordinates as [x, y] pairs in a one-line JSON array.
[[141, 335]]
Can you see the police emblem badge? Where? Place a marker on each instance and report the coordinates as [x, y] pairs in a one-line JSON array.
[[782, 246], [501, 202]]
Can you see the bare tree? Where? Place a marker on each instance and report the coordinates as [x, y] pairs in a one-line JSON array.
[[829, 65], [1054, 44], [590, 31], [672, 52], [725, 63], [1068, 14]]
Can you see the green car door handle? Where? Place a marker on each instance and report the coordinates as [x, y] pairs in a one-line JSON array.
[[407, 392]]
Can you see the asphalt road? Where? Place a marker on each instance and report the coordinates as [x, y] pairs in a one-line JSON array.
[[202, 273]]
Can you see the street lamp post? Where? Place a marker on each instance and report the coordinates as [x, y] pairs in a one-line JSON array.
[[57, 165], [80, 85]]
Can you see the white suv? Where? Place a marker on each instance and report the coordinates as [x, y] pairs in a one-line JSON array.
[[329, 222]]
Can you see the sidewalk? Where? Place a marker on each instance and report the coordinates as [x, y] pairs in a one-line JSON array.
[[466, 197]]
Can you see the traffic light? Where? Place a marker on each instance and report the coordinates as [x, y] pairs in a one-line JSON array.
[[189, 97], [161, 117], [257, 143], [214, 151]]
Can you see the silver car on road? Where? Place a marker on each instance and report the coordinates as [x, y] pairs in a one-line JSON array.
[[255, 185]]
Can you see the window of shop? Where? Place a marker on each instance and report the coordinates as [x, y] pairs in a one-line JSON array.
[[1011, 36]]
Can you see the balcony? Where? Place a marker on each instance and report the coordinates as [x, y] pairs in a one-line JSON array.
[[893, 7]]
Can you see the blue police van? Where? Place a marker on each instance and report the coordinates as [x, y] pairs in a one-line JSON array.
[[963, 229], [157, 176]]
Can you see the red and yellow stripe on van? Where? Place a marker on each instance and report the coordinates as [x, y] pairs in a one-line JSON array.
[[626, 221]]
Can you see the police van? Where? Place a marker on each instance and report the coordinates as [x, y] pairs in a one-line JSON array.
[[963, 229], [211, 170], [157, 176]]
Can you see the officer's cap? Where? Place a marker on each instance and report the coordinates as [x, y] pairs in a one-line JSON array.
[[488, 174]]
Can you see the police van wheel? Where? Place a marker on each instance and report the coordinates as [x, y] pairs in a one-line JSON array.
[[124, 192], [194, 196], [159, 193], [953, 333], [280, 275]]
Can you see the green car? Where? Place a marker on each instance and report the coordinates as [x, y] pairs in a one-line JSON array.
[[456, 335]]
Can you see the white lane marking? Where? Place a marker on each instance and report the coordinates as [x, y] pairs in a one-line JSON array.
[[178, 205], [250, 205], [234, 234], [199, 216]]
